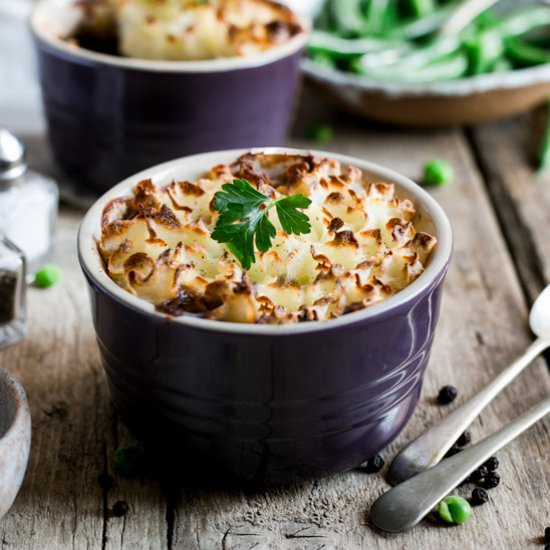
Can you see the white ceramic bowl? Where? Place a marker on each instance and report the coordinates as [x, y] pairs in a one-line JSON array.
[[15, 439], [455, 102]]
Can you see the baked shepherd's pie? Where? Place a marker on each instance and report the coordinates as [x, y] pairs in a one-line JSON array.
[[181, 30], [271, 238]]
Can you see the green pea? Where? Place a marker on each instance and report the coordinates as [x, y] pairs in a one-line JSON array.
[[320, 133], [131, 461], [48, 276], [454, 509], [437, 172]]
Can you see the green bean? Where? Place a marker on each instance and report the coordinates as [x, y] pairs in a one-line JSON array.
[[484, 50], [544, 154], [382, 58], [503, 65], [486, 20], [398, 40], [377, 14], [347, 16], [323, 21], [524, 21], [421, 8], [437, 49], [323, 59], [414, 59], [325, 42], [411, 30], [524, 54], [448, 68]]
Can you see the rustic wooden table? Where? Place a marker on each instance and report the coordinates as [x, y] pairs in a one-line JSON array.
[[501, 216]]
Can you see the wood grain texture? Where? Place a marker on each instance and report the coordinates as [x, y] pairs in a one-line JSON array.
[[483, 327], [506, 153]]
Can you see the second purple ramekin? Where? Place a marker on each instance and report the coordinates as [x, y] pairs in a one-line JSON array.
[[266, 404], [109, 117]]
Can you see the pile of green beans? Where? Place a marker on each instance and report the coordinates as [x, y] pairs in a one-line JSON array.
[[398, 40]]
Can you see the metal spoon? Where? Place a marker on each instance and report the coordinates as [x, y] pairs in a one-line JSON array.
[[405, 505], [430, 447]]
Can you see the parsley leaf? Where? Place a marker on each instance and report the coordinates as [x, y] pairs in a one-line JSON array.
[[244, 220]]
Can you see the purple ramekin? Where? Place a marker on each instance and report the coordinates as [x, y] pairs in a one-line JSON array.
[[266, 404], [109, 117]]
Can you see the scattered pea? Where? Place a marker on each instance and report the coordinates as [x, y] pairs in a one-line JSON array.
[[454, 509], [47, 276], [437, 172], [320, 133], [130, 461]]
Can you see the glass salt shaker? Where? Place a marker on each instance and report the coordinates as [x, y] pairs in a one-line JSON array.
[[28, 202], [12, 293]]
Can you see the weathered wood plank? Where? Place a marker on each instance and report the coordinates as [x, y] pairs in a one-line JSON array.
[[74, 429], [60, 505], [521, 197], [145, 524], [483, 327]]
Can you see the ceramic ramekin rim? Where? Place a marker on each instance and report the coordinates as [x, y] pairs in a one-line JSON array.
[[75, 53], [92, 264]]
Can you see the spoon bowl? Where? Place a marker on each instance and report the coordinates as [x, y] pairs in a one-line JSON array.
[[539, 318], [430, 447]]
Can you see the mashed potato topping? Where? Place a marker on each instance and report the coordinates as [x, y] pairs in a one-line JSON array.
[[191, 29], [363, 245]]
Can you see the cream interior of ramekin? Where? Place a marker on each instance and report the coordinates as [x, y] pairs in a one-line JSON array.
[[52, 20], [430, 218]]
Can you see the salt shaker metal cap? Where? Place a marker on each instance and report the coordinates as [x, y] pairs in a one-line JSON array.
[[12, 156]]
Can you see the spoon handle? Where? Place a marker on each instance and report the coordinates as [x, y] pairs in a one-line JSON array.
[[430, 447], [405, 505]]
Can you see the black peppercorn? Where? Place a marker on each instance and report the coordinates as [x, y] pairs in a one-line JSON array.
[[373, 464], [481, 473], [492, 464], [491, 481], [547, 547], [120, 508], [547, 535], [447, 394], [464, 439], [479, 497], [105, 481]]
